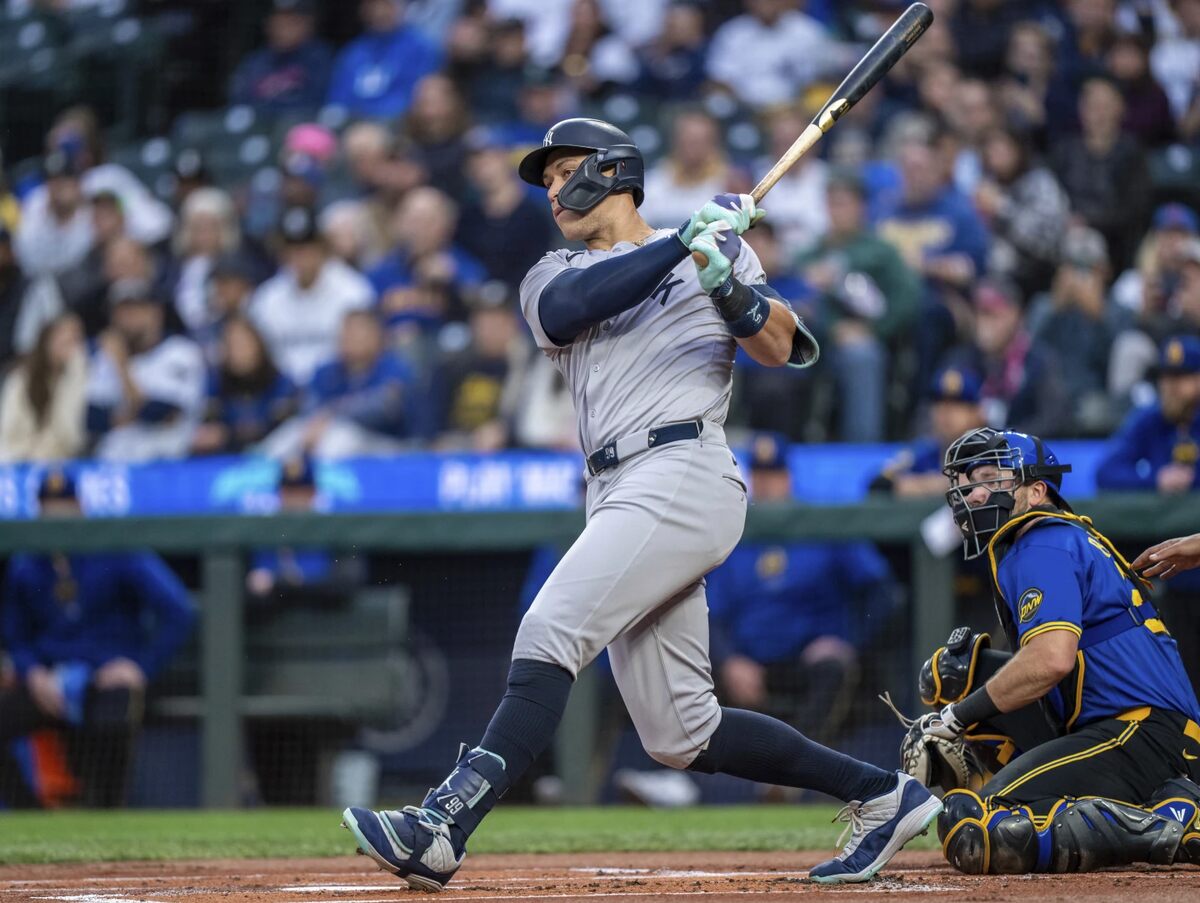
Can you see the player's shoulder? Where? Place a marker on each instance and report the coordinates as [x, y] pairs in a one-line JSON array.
[[1047, 541]]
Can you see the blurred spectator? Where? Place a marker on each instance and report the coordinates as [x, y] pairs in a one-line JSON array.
[[208, 227], [771, 52], [695, 169], [247, 395], [504, 227], [10, 207], [798, 206], [1073, 325], [981, 30], [26, 305], [970, 115], [1158, 446], [1104, 171], [292, 71], [145, 388], [595, 57], [788, 622], [544, 415], [1034, 97], [1147, 110], [869, 301], [56, 224], [546, 25], [86, 633], [305, 160], [435, 127], [189, 172], [349, 230], [1090, 26], [1175, 60], [231, 284], [43, 404], [1021, 388], [1156, 272], [426, 257], [361, 403], [84, 286], [480, 383], [487, 60], [1024, 208], [299, 310], [120, 258], [374, 76], [674, 62], [955, 407]]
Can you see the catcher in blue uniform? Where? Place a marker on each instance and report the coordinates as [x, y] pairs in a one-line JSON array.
[[1081, 748]]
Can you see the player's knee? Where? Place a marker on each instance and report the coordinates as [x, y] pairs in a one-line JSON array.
[[961, 829], [672, 755], [544, 639]]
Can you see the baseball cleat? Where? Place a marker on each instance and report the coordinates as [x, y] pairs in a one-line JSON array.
[[407, 843], [879, 828]]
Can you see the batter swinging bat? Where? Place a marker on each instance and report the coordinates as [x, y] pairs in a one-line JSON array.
[[876, 63]]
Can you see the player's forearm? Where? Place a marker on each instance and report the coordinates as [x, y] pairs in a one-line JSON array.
[[1033, 672], [772, 345], [578, 299]]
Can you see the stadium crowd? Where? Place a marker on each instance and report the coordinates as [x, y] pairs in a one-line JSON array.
[[1016, 201]]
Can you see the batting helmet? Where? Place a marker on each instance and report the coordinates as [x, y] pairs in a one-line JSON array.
[[1027, 458], [608, 148]]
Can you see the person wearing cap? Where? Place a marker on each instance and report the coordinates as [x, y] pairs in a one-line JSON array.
[[868, 300], [1158, 446], [86, 633], [955, 397], [299, 311], [363, 402], [292, 71], [57, 234], [145, 387], [227, 293], [1146, 286], [788, 621], [503, 227], [374, 76]]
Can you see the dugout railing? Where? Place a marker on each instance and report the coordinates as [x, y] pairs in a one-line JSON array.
[[222, 544]]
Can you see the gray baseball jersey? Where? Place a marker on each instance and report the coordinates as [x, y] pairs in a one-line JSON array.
[[656, 523]]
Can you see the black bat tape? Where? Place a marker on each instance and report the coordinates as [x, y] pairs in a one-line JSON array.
[[876, 62]]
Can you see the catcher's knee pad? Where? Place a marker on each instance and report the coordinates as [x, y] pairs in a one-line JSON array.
[[948, 674], [1179, 799], [962, 828]]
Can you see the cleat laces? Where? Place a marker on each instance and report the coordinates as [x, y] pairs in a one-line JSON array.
[[855, 827]]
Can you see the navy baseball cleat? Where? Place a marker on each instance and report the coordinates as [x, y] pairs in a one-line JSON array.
[[878, 829], [408, 842]]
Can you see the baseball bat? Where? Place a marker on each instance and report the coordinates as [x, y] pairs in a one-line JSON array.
[[876, 63]]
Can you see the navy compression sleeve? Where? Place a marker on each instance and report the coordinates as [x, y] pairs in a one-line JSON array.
[[576, 300]]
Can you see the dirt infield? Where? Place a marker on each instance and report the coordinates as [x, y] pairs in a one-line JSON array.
[[644, 876]]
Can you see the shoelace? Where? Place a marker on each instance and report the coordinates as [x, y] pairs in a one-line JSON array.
[[905, 721], [852, 814]]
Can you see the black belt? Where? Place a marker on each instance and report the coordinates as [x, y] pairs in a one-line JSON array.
[[612, 454]]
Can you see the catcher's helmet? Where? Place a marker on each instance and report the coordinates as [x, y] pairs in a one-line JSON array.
[[608, 148], [1027, 458]]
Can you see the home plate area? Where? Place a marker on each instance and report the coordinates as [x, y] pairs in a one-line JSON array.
[[644, 877]]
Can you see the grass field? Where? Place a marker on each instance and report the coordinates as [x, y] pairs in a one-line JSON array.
[[110, 836]]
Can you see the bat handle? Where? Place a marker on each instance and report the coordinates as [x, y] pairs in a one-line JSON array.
[[698, 257]]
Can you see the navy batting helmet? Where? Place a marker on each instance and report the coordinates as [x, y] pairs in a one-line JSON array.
[[608, 148]]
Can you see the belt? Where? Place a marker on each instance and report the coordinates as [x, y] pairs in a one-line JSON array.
[[612, 454]]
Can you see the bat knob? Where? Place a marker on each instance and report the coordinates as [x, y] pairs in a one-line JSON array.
[[699, 259]]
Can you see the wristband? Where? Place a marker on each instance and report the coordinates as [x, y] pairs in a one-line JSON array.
[[744, 309], [975, 708]]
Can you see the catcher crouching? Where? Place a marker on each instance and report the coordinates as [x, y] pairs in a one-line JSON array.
[[1081, 749]]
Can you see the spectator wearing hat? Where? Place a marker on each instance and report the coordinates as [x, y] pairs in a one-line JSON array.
[[479, 386], [43, 404], [299, 311], [86, 633], [145, 388], [56, 228], [375, 75], [695, 169], [208, 228], [790, 621], [292, 71], [231, 284], [955, 399], [361, 403], [1158, 446], [503, 227], [868, 302], [247, 396], [1145, 287]]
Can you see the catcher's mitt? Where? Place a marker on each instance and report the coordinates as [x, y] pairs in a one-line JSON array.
[[933, 761]]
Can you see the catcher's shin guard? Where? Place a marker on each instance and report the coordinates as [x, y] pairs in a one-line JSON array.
[[1077, 836], [1179, 799]]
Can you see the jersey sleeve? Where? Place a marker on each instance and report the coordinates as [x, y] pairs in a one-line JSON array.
[[1042, 588], [538, 277]]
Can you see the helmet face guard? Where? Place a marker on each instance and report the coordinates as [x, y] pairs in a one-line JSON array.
[[588, 185], [1016, 459]]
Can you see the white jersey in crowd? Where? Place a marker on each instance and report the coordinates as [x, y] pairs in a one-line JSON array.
[[301, 326], [668, 359], [172, 372]]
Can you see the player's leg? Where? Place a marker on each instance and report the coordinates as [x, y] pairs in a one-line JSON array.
[[1079, 802], [662, 669]]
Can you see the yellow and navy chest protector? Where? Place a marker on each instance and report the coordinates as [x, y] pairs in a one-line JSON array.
[[1055, 571]]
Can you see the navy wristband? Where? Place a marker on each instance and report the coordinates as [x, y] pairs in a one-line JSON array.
[[976, 708], [744, 309]]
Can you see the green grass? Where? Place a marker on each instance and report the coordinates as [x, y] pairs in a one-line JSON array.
[[294, 833]]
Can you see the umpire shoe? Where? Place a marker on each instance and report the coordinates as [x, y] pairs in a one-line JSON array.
[[878, 829], [409, 843]]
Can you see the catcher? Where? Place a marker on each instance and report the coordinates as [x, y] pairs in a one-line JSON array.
[[1081, 748]]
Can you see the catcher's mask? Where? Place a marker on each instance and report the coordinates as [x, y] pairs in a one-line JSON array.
[[999, 462]]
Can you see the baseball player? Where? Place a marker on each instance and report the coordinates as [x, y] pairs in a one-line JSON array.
[[645, 340], [1086, 737]]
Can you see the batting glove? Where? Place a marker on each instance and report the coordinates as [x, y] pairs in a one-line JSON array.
[[737, 210], [943, 725], [721, 245]]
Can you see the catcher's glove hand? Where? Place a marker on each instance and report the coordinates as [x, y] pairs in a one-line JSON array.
[[933, 760]]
